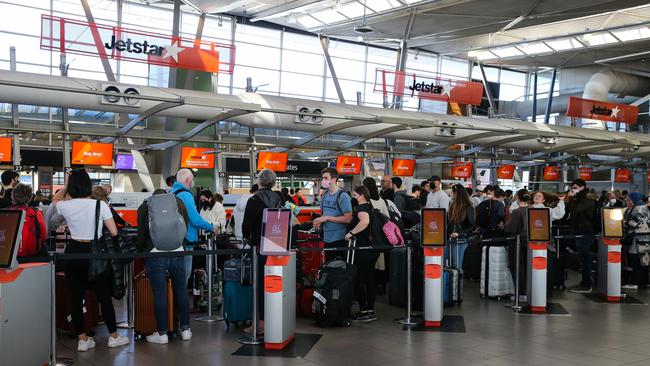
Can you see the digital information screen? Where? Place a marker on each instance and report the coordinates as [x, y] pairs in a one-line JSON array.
[[612, 222], [539, 224], [434, 227], [10, 235], [276, 231]]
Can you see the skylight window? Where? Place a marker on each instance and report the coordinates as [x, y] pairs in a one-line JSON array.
[[353, 10], [564, 44], [598, 39], [482, 55], [309, 22], [504, 52], [329, 16], [381, 5], [534, 48], [632, 34]]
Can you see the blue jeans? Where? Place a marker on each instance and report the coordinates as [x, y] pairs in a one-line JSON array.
[[157, 269], [583, 246], [455, 253]]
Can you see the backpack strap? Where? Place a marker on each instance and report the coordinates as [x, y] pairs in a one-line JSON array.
[[338, 200], [38, 228], [183, 190]]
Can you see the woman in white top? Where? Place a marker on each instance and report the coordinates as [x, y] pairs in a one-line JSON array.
[[74, 203], [212, 209], [557, 212]]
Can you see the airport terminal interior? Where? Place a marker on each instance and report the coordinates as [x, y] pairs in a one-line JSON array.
[[333, 182]]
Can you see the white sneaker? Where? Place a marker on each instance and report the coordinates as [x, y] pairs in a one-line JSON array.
[[186, 335], [157, 338], [84, 346], [630, 287], [119, 341]]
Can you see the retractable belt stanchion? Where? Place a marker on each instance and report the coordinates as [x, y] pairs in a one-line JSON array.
[[210, 318], [253, 339], [279, 300], [537, 268], [130, 297], [54, 361], [408, 320], [516, 305], [609, 269], [433, 286]]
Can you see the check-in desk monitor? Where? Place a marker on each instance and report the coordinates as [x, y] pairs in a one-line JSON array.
[[276, 231], [11, 229]]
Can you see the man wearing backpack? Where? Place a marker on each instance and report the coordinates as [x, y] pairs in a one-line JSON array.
[[157, 268], [490, 215], [336, 210], [9, 180], [34, 234], [181, 188], [581, 210]]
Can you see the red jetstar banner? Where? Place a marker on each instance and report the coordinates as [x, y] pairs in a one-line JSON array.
[[428, 87], [461, 170], [586, 174], [117, 43], [623, 175], [551, 173], [604, 111], [505, 171]]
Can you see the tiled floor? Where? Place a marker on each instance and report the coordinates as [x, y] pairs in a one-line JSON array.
[[594, 334]]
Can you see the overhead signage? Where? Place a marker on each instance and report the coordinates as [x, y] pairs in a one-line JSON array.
[[305, 168], [272, 160], [117, 43], [586, 174], [551, 173], [648, 177], [403, 167], [124, 162], [623, 175], [349, 165], [461, 170], [506, 171], [604, 111], [428, 87], [91, 153], [5, 149], [197, 157]]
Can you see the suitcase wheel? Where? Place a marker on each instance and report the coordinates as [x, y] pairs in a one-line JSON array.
[[347, 323]]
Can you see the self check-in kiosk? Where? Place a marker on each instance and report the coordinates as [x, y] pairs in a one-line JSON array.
[[539, 237], [279, 279], [25, 295], [609, 254], [434, 237]]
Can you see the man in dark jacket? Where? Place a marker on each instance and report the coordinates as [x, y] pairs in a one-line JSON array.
[[400, 197], [251, 230], [387, 192], [581, 211], [9, 180]]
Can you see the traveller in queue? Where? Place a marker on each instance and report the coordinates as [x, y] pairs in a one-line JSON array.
[[557, 212], [34, 233], [240, 209], [299, 198], [366, 284], [401, 198], [425, 190], [581, 211], [157, 269], [438, 198], [336, 209], [638, 225], [181, 188], [74, 204], [517, 225], [119, 221], [9, 180], [212, 209], [380, 204], [251, 230], [387, 192]]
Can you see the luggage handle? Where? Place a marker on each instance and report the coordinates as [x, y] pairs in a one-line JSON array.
[[349, 257]]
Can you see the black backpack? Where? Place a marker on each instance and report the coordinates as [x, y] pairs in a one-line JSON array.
[[483, 211], [377, 222], [412, 204], [333, 293]]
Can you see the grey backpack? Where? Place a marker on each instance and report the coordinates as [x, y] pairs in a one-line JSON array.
[[167, 227]]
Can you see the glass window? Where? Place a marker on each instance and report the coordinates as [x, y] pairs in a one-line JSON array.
[[299, 84], [257, 56], [382, 56], [302, 43], [454, 67], [421, 62], [17, 17], [348, 69], [257, 35], [27, 49], [260, 78], [307, 63], [349, 89], [491, 73]]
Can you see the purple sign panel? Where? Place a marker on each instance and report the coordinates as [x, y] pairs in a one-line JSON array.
[[124, 162]]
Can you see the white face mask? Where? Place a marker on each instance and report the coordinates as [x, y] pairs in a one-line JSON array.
[[612, 201], [326, 183]]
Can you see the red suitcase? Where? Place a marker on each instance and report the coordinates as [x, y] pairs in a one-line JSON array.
[[311, 260]]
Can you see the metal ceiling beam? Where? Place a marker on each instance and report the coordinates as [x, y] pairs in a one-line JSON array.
[[141, 117], [459, 140], [522, 17], [328, 130], [372, 135]]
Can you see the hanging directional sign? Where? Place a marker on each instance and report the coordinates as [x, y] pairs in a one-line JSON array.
[[506, 171], [430, 87], [604, 111], [551, 173], [586, 174], [623, 175], [126, 44], [461, 170]]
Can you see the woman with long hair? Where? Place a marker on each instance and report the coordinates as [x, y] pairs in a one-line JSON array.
[[212, 209], [461, 220], [364, 260]]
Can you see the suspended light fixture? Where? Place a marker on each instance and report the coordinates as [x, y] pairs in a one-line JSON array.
[[364, 28]]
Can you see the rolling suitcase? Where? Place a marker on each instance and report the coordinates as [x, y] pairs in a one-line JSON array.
[[311, 260], [495, 274], [334, 291], [237, 302], [452, 279], [64, 306], [145, 319], [397, 277], [472, 262]]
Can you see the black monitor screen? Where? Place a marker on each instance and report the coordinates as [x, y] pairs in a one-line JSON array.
[[10, 224]]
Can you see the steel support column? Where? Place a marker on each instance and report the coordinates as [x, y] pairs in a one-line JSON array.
[[189, 76], [534, 115], [252, 160], [488, 92], [15, 117], [402, 55], [549, 102], [325, 43]]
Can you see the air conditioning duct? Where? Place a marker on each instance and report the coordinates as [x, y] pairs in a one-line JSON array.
[[117, 99], [306, 115]]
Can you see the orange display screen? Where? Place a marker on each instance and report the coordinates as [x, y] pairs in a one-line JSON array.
[[539, 225], [613, 222], [434, 230], [403, 168], [5, 149], [586, 174], [461, 170], [91, 153], [623, 175], [273, 161], [505, 171], [349, 165], [196, 158], [551, 173]]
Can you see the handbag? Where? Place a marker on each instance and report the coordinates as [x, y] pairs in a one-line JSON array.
[[98, 267], [643, 248]]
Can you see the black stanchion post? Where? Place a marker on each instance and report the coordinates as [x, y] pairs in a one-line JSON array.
[[130, 298], [253, 339], [408, 320], [54, 361], [516, 306], [210, 318]]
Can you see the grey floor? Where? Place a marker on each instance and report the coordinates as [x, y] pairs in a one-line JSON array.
[[594, 334]]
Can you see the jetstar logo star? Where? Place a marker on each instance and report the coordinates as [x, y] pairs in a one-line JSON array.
[[604, 111], [432, 88], [145, 47]]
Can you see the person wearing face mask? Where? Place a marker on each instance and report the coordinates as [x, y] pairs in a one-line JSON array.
[[212, 210], [638, 224], [181, 188], [613, 202], [336, 209], [437, 198], [582, 210]]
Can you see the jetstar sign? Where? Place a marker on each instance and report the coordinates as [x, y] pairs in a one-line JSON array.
[[604, 111], [428, 87], [109, 42]]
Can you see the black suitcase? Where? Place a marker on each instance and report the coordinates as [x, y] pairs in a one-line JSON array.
[[397, 278], [334, 292], [472, 262]]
